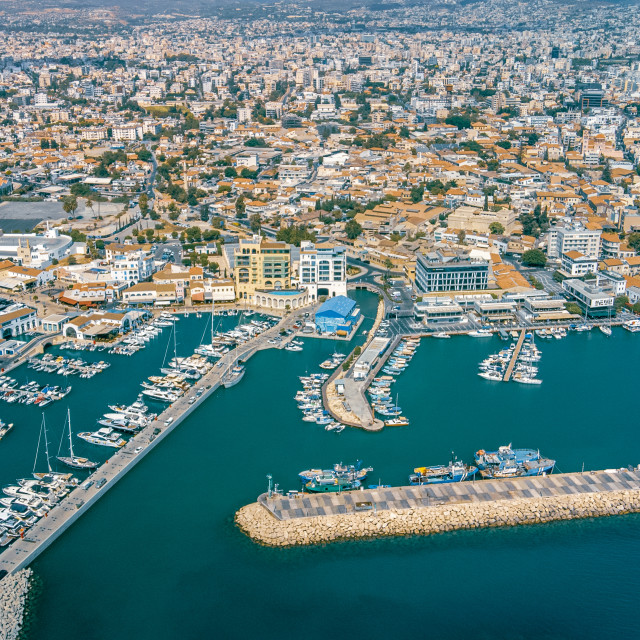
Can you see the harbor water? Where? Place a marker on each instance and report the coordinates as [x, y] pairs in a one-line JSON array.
[[159, 556]]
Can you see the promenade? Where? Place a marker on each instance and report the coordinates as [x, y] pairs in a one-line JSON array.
[[22, 552]]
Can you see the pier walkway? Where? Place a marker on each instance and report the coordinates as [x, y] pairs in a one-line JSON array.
[[22, 552], [306, 505], [514, 357]]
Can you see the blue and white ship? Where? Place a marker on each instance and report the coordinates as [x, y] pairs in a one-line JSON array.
[[507, 462], [455, 471]]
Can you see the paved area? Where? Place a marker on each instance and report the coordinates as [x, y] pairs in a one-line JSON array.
[[324, 504]]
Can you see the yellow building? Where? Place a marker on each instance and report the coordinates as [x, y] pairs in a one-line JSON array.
[[261, 265], [467, 218]]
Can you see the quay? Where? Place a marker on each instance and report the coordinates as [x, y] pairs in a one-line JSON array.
[[301, 519], [23, 552], [514, 357]]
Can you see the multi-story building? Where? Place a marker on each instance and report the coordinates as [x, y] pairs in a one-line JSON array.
[[132, 268], [593, 300], [323, 271], [574, 264], [576, 238], [261, 265], [439, 272]]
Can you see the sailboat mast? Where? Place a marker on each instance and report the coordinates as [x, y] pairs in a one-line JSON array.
[[70, 438], [46, 443]]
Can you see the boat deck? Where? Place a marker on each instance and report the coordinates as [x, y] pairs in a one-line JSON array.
[[327, 504]]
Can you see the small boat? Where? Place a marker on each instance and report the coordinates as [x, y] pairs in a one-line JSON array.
[[480, 333], [606, 330], [441, 334], [398, 421], [5, 428]]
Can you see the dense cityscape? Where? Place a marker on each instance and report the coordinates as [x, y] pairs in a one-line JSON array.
[[184, 187]]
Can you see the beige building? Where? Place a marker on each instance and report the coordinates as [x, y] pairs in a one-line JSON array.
[[467, 218], [261, 265]]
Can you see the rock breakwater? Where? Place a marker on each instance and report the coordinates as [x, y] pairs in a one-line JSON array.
[[14, 590], [262, 527]]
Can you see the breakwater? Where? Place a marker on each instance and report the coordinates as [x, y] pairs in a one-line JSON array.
[[428, 509], [14, 590]]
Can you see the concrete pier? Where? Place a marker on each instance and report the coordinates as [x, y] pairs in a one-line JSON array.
[[427, 509], [24, 551]]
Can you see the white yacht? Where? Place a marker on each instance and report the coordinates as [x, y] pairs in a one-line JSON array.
[[105, 437], [480, 333]]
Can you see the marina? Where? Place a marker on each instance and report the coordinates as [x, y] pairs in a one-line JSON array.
[[135, 507]]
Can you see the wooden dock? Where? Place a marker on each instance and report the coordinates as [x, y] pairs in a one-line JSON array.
[[514, 357]]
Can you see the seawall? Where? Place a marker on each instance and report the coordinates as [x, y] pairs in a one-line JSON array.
[[361, 518]]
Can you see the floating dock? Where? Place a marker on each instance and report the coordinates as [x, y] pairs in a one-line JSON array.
[[514, 357], [422, 510]]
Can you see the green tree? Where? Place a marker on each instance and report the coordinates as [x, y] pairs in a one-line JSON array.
[[620, 302], [69, 205], [256, 222], [353, 229], [496, 228], [143, 203], [633, 240], [230, 172], [606, 173], [534, 258], [241, 207], [204, 212]]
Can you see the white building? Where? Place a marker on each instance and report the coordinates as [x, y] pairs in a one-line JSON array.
[[17, 319], [576, 238], [323, 272], [34, 250], [132, 267]]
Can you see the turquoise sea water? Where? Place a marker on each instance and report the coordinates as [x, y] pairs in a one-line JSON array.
[[159, 557]]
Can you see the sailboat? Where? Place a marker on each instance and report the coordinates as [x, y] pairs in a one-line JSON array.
[[72, 460], [606, 328], [50, 473]]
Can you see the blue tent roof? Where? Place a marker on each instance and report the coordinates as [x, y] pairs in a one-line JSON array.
[[338, 307]]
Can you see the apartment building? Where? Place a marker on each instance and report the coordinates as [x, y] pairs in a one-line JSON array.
[[576, 238], [323, 271], [261, 265], [439, 272]]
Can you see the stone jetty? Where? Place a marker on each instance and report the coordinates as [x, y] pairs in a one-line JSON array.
[[14, 589], [364, 514]]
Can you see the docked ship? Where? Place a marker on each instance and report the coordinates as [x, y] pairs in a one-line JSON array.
[[105, 437], [5, 428], [331, 483], [455, 471], [235, 375], [507, 462], [351, 472]]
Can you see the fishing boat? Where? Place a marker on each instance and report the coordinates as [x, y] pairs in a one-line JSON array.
[[72, 460], [331, 483], [105, 437], [508, 462], [352, 471], [455, 471]]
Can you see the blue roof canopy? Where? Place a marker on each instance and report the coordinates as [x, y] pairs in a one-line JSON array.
[[338, 307]]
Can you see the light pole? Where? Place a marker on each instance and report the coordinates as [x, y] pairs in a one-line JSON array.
[[269, 478]]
